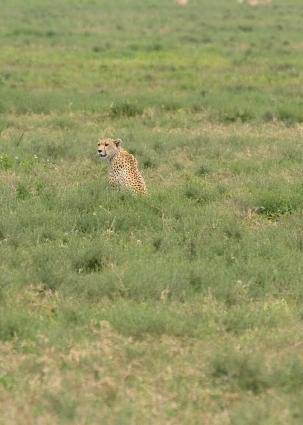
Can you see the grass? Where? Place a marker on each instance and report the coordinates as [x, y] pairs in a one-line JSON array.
[[181, 307]]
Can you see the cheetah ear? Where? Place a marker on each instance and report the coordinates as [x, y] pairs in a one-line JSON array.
[[118, 142]]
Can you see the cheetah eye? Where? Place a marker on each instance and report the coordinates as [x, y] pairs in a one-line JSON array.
[[105, 144]]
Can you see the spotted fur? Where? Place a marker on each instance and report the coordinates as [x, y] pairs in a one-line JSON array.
[[123, 170]]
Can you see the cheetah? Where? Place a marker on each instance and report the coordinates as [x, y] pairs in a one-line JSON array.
[[123, 167]]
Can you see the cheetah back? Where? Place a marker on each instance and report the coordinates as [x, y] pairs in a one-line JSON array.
[[124, 173]]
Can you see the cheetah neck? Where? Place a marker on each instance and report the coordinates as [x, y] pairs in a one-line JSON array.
[[116, 155]]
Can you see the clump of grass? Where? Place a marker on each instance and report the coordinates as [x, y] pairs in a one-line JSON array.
[[235, 115], [2, 108], [15, 323], [2, 233], [289, 376], [62, 405], [201, 192], [91, 261], [290, 115], [125, 108], [279, 200], [241, 370], [22, 192], [148, 163], [195, 280], [6, 162], [203, 170]]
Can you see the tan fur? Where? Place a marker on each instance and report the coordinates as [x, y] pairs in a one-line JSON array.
[[123, 170]]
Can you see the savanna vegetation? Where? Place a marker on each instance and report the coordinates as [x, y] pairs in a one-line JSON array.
[[182, 307]]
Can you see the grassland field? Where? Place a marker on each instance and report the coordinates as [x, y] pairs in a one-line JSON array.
[[182, 307]]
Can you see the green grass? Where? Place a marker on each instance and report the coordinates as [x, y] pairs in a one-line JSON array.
[[182, 307]]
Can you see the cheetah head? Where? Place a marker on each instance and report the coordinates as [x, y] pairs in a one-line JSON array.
[[107, 148]]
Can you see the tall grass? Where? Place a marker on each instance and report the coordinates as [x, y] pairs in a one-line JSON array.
[[183, 306]]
